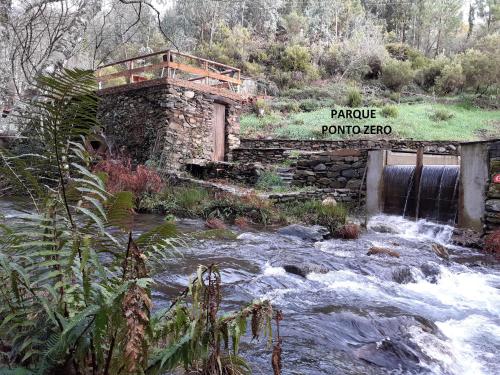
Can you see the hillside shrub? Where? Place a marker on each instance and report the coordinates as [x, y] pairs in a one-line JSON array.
[[310, 105], [296, 58], [354, 98], [479, 69], [403, 52], [389, 111], [451, 80], [427, 76], [441, 115], [397, 74], [375, 67]]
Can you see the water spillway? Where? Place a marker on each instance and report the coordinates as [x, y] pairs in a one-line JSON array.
[[434, 197]]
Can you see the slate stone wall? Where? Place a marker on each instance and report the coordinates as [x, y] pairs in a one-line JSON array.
[[167, 124], [492, 203]]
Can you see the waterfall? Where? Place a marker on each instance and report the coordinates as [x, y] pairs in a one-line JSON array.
[[436, 197]]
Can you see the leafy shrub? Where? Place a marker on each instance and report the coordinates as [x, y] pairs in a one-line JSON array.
[[395, 97], [310, 105], [389, 111], [121, 177], [253, 68], [190, 198], [296, 58], [441, 115], [269, 180], [331, 216], [354, 98], [492, 242], [427, 77], [397, 74], [286, 106], [228, 207], [479, 69], [375, 67], [403, 52], [451, 80]]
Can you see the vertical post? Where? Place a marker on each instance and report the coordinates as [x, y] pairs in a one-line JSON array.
[[206, 76], [130, 66], [169, 58], [418, 175]]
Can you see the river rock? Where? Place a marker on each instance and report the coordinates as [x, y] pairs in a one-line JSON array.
[[403, 275], [309, 233], [375, 250], [440, 251], [305, 269], [330, 201], [467, 238], [382, 228], [431, 271], [389, 354]]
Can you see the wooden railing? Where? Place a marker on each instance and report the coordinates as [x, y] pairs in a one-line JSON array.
[[169, 64]]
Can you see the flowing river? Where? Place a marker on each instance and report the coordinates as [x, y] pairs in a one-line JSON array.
[[354, 313]]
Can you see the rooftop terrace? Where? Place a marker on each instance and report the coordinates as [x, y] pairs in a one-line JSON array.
[[170, 67]]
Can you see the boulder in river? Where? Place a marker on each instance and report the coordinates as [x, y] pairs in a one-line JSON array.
[[440, 251], [403, 275], [375, 250], [309, 233], [305, 269], [431, 271], [383, 228], [389, 354], [467, 238]]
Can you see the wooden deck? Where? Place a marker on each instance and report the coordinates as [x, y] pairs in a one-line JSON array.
[[171, 67]]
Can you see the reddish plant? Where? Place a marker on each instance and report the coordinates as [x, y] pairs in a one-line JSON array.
[[242, 222], [121, 177], [215, 223], [492, 242], [348, 232]]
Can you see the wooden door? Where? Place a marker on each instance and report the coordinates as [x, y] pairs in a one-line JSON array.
[[219, 131]]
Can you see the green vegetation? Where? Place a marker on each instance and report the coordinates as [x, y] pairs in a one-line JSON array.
[[77, 282], [192, 201], [413, 121], [389, 111], [269, 180], [354, 98], [315, 212]]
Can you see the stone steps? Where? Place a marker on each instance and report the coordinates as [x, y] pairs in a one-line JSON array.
[[286, 174]]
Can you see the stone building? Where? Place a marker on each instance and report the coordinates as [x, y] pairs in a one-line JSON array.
[[172, 120]]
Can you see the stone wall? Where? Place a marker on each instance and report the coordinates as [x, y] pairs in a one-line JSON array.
[[340, 195], [246, 173], [165, 123], [492, 204], [332, 169]]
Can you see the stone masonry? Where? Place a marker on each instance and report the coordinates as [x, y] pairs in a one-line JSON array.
[[492, 204], [166, 124]]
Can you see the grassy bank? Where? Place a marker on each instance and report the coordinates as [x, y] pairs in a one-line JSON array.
[[182, 201], [422, 121]]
